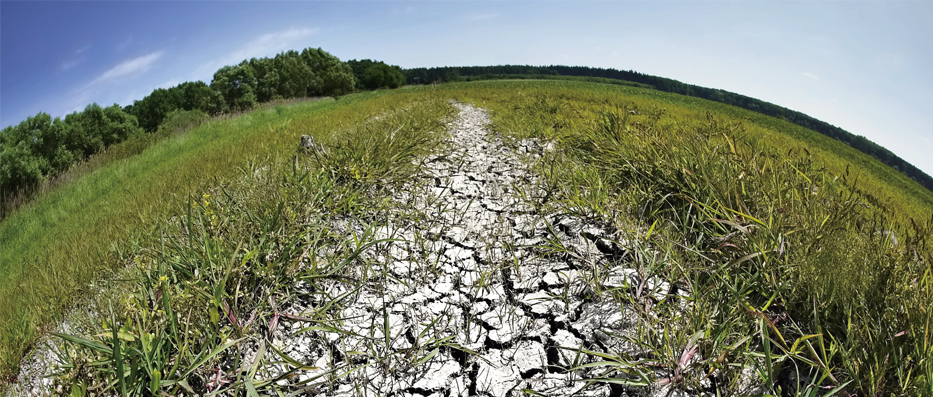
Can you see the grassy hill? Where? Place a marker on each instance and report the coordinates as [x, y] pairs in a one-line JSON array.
[[632, 78], [800, 253]]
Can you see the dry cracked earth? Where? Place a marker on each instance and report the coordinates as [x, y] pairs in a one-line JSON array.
[[479, 293], [494, 294]]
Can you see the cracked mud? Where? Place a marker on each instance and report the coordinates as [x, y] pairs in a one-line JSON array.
[[470, 288], [479, 292]]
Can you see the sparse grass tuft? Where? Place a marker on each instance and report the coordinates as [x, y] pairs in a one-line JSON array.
[[796, 273], [762, 260], [74, 234], [212, 283]]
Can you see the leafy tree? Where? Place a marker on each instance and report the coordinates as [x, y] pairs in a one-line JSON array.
[[118, 126], [330, 76], [267, 79], [237, 85], [82, 131], [381, 75], [359, 69], [294, 76], [25, 150], [43, 137], [95, 128], [372, 75], [151, 110], [19, 168], [197, 95]]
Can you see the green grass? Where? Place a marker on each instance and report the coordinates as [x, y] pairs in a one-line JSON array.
[[54, 246], [807, 264], [240, 247], [784, 237]]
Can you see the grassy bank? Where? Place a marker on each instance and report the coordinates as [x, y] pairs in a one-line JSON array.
[[798, 250], [806, 264], [55, 246]]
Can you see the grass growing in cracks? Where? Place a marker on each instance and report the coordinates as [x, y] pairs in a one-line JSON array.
[[209, 285], [759, 258], [55, 247], [798, 276]]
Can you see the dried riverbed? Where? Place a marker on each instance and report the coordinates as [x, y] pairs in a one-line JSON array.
[[475, 290], [471, 285]]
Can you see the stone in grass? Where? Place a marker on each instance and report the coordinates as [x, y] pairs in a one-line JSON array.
[[308, 144]]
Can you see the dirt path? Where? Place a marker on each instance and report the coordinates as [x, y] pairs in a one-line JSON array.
[[470, 285], [465, 301]]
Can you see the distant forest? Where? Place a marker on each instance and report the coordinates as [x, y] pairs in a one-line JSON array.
[[860, 143], [42, 147]]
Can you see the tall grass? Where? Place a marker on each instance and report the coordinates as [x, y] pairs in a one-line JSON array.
[[812, 272], [213, 279], [796, 266], [69, 236]]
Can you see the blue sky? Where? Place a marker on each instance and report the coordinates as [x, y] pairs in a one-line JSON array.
[[863, 66]]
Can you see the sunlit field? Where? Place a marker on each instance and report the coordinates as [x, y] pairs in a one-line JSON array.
[[805, 263]]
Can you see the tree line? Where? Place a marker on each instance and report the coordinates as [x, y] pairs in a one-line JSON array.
[[41, 147], [858, 142]]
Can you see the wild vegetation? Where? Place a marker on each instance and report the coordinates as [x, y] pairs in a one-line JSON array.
[[40, 148], [794, 255], [629, 77], [372, 75], [806, 261], [61, 241], [168, 337], [803, 266]]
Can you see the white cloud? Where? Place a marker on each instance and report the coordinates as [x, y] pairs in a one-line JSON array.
[[268, 45], [123, 44], [482, 17], [69, 64], [263, 46], [128, 68], [811, 76], [75, 59]]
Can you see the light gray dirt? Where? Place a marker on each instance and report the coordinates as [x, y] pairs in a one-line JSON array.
[[466, 302], [472, 270]]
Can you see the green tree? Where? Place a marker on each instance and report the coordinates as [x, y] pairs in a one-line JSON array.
[[27, 152], [95, 128], [330, 76], [359, 69], [118, 126], [151, 110], [237, 86], [197, 95], [294, 76], [82, 131], [267, 79], [49, 143], [380, 75], [19, 168], [373, 75]]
